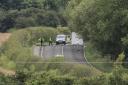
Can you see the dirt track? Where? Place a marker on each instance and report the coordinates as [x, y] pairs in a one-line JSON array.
[[6, 72], [4, 37]]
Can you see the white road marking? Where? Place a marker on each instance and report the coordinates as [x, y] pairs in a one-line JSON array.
[[62, 50]]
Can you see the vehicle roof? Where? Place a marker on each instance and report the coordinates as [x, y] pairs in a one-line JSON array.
[[61, 35]]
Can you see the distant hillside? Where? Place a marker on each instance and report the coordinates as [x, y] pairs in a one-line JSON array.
[[20, 14]]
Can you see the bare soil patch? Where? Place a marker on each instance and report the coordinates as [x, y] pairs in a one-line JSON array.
[[4, 37], [6, 72]]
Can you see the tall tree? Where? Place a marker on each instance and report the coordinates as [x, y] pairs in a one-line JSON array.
[[104, 22]]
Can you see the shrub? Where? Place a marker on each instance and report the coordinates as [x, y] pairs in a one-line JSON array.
[[22, 22], [49, 78], [7, 80], [6, 62], [79, 71]]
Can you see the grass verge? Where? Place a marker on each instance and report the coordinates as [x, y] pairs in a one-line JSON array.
[[94, 57]]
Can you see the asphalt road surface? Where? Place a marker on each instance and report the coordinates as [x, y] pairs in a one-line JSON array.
[[71, 53]]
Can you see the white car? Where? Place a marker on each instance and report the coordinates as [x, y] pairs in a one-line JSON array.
[[61, 39]]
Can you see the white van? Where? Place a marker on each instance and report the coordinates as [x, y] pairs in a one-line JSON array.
[[61, 39], [76, 39]]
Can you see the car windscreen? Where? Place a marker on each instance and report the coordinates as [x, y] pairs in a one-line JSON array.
[[60, 36]]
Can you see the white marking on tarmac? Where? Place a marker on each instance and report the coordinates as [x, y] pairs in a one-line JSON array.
[[62, 50]]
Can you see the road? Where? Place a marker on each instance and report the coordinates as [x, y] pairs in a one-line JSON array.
[[71, 53]]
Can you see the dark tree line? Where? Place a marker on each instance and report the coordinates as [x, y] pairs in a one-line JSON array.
[[29, 13]]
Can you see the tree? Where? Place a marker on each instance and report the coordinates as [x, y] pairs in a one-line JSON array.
[[56, 5], [104, 22], [6, 21], [11, 4]]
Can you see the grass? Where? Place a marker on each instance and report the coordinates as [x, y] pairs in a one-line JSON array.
[[97, 60]]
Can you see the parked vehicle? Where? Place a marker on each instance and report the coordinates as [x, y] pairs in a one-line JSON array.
[[61, 39], [73, 39], [76, 39]]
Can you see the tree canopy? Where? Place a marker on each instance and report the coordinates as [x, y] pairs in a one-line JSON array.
[[29, 13], [104, 22]]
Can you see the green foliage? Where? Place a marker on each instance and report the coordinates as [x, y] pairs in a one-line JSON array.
[[6, 63], [121, 57], [30, 17], [29, 13], [55, 75], [77, 70], [64, 30], [125, 40], [6, 21], [49, 78], [22, 75], [84, 71], [102, 62], [104, 22], [22, 22], [7, 80], [118, 76], [22, 4], [98, 80]]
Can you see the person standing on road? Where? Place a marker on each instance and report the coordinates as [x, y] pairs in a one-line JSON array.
[[41, 41], [50, 41]]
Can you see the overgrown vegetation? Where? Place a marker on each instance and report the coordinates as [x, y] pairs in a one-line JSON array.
[[53, 77], [96, 59], [30, 13], [103, 22]]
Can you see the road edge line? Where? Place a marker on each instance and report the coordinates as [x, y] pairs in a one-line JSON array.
[[85, 57]]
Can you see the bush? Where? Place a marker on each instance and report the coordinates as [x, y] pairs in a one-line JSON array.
[[50, 78], [80, 71], [98, 80], [54, 77], [7, 63], [7, 80], [6, 21], [22, 22], [118, 76], [30, 17]]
